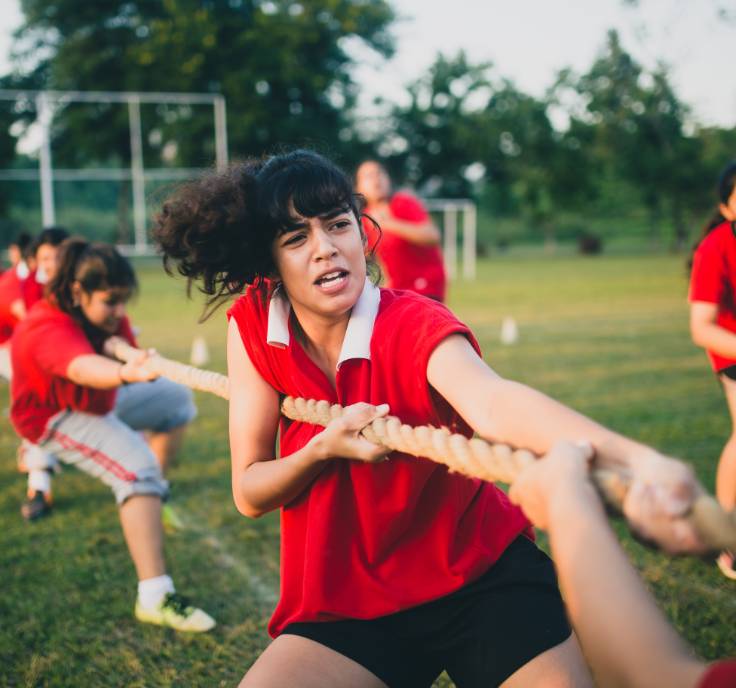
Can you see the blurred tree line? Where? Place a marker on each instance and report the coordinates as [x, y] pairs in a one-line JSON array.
[[613, 143]]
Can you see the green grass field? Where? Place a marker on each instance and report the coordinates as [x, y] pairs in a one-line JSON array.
[[607, 335]]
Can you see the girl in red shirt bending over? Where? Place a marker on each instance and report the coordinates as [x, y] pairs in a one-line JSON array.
[[713, 325], [64, 393], [392, 568]]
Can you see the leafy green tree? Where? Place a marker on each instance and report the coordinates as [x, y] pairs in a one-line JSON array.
[[282, 66], [434, 139], [640, 134]]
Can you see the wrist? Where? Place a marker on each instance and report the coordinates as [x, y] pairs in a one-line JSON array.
[[121, 377], [318, 452], [574, 502]]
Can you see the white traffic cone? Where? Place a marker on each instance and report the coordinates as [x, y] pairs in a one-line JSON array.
[[509, 331], [200, 352]]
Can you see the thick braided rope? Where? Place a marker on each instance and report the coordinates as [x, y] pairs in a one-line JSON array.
[[194, 378], [477, 458]]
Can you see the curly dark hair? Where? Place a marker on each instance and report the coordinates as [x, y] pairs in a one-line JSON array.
[[218, 230]]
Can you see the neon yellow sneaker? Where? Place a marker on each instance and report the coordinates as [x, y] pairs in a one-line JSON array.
[[727, 564], [171, 519], [175, 612]]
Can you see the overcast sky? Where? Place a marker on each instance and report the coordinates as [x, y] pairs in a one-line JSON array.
[[529, 40]]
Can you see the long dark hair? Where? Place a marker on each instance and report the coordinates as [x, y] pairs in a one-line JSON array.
[[218, 230], [96, 266], [725, 188]]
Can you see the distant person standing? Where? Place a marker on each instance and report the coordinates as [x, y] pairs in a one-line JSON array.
[[407, 245], [713, 325]]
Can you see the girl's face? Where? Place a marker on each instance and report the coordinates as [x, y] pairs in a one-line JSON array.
[[728, 210], [103, 308], [47, 261], [372, 182], [321, 262]]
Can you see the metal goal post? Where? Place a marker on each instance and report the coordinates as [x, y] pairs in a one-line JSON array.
[[450, 210], [48, 102]]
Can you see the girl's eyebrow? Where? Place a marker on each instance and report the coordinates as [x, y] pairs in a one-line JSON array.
[[334, 213]]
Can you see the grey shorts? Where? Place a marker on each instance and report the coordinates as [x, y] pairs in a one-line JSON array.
[[158, 406], [111, 447]]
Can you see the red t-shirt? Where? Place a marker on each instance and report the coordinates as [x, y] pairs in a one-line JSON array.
[[408, 265], [713, 279], [32, 290], [366, 540], [44, 344], [11, 289], [719, 675]]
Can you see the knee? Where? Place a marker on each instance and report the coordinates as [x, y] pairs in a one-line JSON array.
[[147, 481], [182, 409]]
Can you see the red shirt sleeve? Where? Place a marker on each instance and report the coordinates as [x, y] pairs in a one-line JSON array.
[[406, 206], [424, 325], [11, 290], [719, 675], [57, 343], [32, 290], [709, 272], [250, 312]]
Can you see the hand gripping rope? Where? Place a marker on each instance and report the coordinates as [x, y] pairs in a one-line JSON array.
[[474, 458]]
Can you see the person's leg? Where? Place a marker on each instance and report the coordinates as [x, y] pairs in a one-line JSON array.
[[165, 445], [140, 517], [292, 660], [106, 448], [561, 667], [726, 475], [162, 409], [39, 465]]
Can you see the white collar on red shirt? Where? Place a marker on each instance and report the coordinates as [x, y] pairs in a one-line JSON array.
[[357, 342]]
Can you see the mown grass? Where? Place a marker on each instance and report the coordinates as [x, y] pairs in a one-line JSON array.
[[607, 335]]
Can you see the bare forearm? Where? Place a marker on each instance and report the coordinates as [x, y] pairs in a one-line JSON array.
[[523, 417], [606, 600], [422, 233], [715, 338], [95, 371], [267, 485]]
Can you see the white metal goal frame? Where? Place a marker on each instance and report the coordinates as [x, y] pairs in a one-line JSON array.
[[451, 209], [46, 104]]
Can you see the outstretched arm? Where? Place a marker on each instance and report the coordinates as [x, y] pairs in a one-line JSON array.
[[424, 233], [662, 489], [624, 636]]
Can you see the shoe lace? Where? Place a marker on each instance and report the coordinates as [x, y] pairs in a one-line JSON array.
[[177, 603]]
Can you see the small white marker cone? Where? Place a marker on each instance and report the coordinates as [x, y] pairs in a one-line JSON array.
[[200, 353], [509, 331]]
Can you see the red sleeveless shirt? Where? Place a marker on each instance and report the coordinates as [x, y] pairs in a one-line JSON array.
[[366, 540]]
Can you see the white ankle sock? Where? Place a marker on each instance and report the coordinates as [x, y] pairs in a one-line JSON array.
[[152, 590], [39, 480]]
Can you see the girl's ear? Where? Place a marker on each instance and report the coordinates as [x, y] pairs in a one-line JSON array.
[[727, 212]]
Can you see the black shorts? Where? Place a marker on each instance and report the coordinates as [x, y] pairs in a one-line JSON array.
[[480, 634], [729, 372]]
